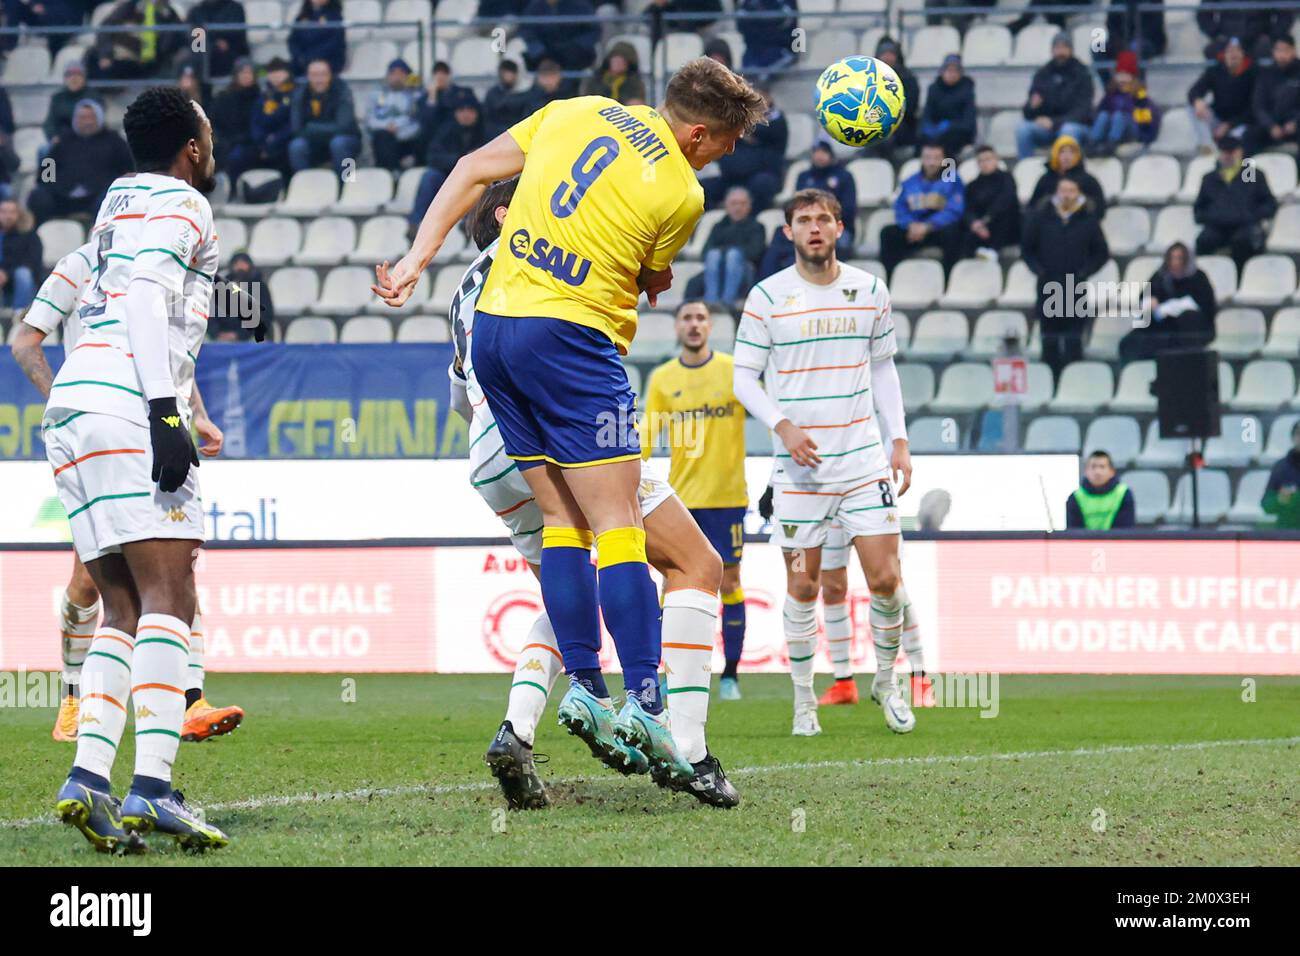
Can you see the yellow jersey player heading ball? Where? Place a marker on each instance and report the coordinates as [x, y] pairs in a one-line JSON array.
[[607, 196]]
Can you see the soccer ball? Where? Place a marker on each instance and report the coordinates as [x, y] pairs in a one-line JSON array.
[[859, 100]]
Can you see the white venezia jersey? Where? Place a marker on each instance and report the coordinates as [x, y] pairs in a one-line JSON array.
[[484, 437], [814, 345], [62, 293], [149, 226]]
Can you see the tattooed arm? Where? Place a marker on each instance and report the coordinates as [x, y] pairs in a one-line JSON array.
[[31, 358]]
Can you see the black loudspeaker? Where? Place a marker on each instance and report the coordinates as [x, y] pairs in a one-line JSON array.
[[1187, 393]]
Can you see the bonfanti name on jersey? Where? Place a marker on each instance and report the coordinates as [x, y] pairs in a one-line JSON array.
[[76, 909]]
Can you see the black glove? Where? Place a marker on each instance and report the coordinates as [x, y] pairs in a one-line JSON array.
[[765, 505], [173, 450]]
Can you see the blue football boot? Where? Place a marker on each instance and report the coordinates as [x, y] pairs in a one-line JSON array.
[[169, 814], [99, 818]]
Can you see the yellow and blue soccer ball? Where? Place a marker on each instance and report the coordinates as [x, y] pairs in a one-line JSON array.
[[859, 100]]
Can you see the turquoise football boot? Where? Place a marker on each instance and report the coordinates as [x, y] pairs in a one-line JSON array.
[[650, 735], [583, 715]]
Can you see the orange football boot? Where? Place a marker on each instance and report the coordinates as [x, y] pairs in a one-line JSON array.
[[65, 725], [840, 692], [202, 721], [922, 690]]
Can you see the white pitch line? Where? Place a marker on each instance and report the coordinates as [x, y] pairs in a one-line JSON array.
[[414, 790]]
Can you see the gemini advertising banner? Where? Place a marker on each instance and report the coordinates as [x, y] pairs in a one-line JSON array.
[[1026, 606]]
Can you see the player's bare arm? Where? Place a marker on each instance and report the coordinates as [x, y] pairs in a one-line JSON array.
[[212, 436], [31, 358]]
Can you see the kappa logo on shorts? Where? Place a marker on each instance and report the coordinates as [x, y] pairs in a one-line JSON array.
[[174, 514], [565, 266]]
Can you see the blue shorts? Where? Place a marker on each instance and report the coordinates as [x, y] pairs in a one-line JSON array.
[[725, 529], [558, 391]]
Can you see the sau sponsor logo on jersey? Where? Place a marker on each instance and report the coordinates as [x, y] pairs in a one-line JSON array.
[[542, 254]]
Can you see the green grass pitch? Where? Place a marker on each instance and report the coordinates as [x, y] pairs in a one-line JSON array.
[[1073, 770]]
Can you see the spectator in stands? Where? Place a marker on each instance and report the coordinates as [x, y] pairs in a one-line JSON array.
[[828, 173], [1126, 113], [456, 137], [1181, 310], [1222, 98], [1060, 100], [1058, 19], [58, 118], [720, 50], [46, 13], [187, 81], [1256, 29], [992, 215], [20, 255], [439, 94], [756, 163], [1063, 246], [318, 34], [927, 212], [618, 76], [1276, 103], [665, 16], [732, 251], [505, 103], [778, 255], [905, 137], [1101, 502], [243, 304], [223, 44], [1280, 494], [393, 117], [231, 114], [9, 161], [87, 162], [767, 26], [949, 115], [1123, 33], [1065, 161], [324, 120], [571, 42], [1232, 205], [548, 84], [139, 52], [499, 9], [271, 125]]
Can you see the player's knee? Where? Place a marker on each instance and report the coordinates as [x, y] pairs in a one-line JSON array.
[[175, 597], [834, 592], [121, 613], [803, 588], [710, 571], [81, 588], [885, 585]]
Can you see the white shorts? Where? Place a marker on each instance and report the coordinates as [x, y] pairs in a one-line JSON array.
[[512, 500], [101, 469], [835, 552], [803, 515]]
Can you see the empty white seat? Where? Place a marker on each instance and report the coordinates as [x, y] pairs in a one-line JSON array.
[[722, 334], [26, 64], [1021, 290], [1160, 452], [382, 237], [1284, 236], [294, 290], [1239, 332], [694, 247], [1127, 229], [1197, 169], [917, 381], [802, 131], [771, 220], [275, 241], [1227, 383], [1213, 493], [1151, 179], [1038, 387], [1142, 268], [346, 291], [1150, 494], [929, 435], [874, 180], [869, 238], [1027, 172], [327, 242], [1284, 334], [310, 330], [1103, 339], [366, 329], [1117, 435], [1222, 273], [310, 191], [682, 274], [1246, 508], [423, 328], [993, 328], [916, 283], [986, 44], [939, 335], [680, 48], [972, 284], [1278, 169], [58, 238], [369, 59], [1109, 173], [964, 387], [1266, 280], [1084, 386], [902, 330], [1279, 439], [1238, 443], [1265, 384], [1176, 134], [365, 192], [929, 45], [1002, 131], [1033, 45], [1173, 224], [1133, 393], [1053, 433], [232, 236], [408, 184]]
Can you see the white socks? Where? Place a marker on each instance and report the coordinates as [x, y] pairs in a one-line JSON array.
[[194, 672], [886, 628], [690, 621], [800, 618], [78, 631], [839, 638], [911, 634], [538, 665], [162, 653], [105, 692]]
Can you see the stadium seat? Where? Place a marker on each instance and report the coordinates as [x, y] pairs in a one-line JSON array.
[[1033, 45], [1176, 134], [1084, 387], [917, 382], [1021, 290], [366, 329], [365, 193], [417, 11], [939, 335], [327, 242], [346, 292], [771, 220], [1239, 442], [26, 65], [986, 44], [929, 45], [902, 330], [1049, 434], [30, 109], [1266, 280], [1104, 336], [869, 238], [1246, 507], [1197, 168], [293, 291], [694, 248], [27, 141], [827, 46], [1109, 172], [1240, 332], [874, 179], [1002, 132], [929, 435], [382, 237], [992, 329], [408, 184], [1027, 172], [310, 191], [1173, 224], [656, 336], [1279, 172], [1133, 393], [1084, 35], [232, 236], [1141, 268], [722, 334], [1214, 497], [1279, 439], [423, 328], [1222, 273], [311, 331], [916, 283], [964, 387], [969, 168], [681, 48], [1227, 383], [802, 131], [793, 170], [973, 284], [1117, 435], [253, 179], [445, 283], [1265, 385], [368, 59], [275, 241], [1150, 494], [1151, 180], [1284, 235], [460, 11], [682, 274], [1160, 452], [1283, 334], [1127, 229], [58, 238]]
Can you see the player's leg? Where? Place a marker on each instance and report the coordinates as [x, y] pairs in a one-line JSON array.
[[879, 556], [733, 631], [202, 720], [162, 570], [839, 632], [79, 613], [922, 689], [799, 617]]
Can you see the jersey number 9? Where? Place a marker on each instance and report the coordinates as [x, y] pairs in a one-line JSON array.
[[563, 206]]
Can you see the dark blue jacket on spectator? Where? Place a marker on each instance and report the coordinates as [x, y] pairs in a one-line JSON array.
[[322, 115], [779, 255], [1285, 474], [914, 202], [271, 123], [307, 43], [837, 181], [950, 109], [767, 36], [570, 44]]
